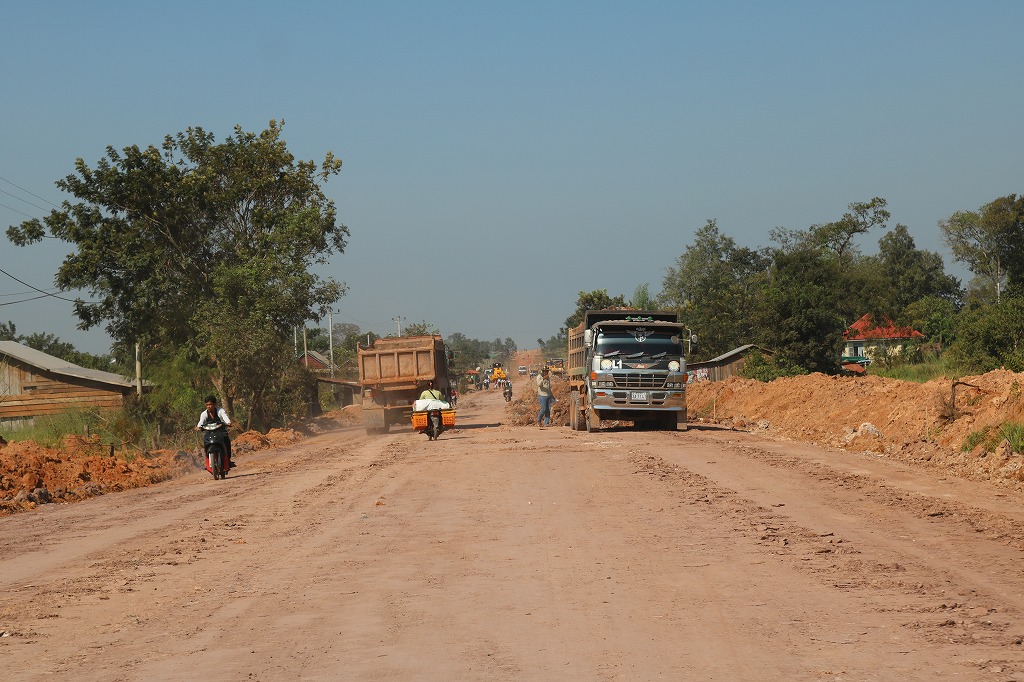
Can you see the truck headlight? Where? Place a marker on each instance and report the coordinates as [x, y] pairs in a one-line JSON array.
[[673, 366], [606, 364]]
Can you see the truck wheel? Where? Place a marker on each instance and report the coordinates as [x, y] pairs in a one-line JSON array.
[[593, 421], [574, 412]]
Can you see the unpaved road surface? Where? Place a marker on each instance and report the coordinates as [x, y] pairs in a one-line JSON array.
[[515, 553]]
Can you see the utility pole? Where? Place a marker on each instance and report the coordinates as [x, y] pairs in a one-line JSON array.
[[305, 348], [330, 338], [398, 321]]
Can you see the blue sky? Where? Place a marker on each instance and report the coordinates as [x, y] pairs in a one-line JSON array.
[[501, 157]]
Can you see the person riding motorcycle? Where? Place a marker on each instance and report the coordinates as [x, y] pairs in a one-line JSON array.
[[216, 415], [431, 393]]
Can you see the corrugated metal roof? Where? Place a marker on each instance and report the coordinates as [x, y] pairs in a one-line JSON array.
[[738, 351], [53, 364]]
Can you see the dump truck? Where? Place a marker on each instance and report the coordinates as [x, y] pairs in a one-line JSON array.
[[394, 371], [627, 365]]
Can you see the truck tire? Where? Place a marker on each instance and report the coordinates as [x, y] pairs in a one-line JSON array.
[[574, 411]]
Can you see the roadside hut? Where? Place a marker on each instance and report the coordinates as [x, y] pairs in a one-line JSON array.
[[724, 366], [33, 384]]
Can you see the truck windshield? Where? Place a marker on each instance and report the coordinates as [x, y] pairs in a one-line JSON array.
[[625, 344]]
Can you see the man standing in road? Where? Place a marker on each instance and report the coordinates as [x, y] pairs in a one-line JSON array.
[[546, 397]]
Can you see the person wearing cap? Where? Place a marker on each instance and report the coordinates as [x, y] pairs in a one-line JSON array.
[[545, 396]]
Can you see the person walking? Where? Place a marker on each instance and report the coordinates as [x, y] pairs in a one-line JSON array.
[[546, 398]]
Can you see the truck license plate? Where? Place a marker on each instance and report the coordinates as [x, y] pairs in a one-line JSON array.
[[638, 396]]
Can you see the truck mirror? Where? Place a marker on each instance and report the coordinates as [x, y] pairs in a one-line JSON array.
[[588, 338], [693, 341], [675, 340]]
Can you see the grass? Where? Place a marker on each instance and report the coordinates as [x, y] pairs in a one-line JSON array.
[[118, 427], [1013, 432], [918, 373], [989, 438]]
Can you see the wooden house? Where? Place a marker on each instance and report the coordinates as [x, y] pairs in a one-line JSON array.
[[33, 383], [724, 366]]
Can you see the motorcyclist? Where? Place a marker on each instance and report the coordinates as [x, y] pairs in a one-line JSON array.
[[216, 415], [431, 393]]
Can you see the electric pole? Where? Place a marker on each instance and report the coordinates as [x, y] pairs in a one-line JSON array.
[[398, 321]]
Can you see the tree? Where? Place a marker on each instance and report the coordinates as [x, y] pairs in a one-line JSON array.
[[838, 237], [988, 241], [933, 316], [642, 298], [802, 318], [913, 274], [423, 328], [598, 299], [992, 336], [179, 242], [715, 287]]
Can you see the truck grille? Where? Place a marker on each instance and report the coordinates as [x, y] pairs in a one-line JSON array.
[[638, 380]]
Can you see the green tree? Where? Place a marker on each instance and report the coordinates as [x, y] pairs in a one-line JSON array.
[[992, 336], [988, 241], [802, 318], [178, 242], [912, 274], [715, 286], [422, 328], [597, 299], [933, 316], [642, 298]]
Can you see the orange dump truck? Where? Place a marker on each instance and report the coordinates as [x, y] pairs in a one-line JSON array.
[[394, 371]]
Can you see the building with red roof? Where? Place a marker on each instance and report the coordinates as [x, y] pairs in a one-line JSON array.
[[866, 341]]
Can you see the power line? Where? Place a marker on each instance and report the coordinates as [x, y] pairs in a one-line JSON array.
[[41, 208], [26, 300], [27, 192], [44, 294], [17, 211]]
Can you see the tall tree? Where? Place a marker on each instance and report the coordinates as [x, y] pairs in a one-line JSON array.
[[988, 241], [174, 243], [802, 318], [911, 273], [715, 286]]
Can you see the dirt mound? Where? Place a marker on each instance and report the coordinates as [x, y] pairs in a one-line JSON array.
[[31, 475], [83, 467], [941, 423]]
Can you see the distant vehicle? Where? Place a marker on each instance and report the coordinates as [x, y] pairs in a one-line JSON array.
[[522, 370], [498, 371], [556, 366]]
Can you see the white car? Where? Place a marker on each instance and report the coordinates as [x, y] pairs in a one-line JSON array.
[[522, 370]]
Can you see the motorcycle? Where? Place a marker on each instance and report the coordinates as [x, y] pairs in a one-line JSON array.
[[435, 424], [214, 439], [508, 393]]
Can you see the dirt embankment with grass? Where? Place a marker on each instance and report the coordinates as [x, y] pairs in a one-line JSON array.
[[972, 427], [84, 467]]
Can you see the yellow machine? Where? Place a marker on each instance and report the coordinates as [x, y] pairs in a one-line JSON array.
[[556, 366], [498, 372]]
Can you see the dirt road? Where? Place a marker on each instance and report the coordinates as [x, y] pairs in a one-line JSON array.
[[516, 553]]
